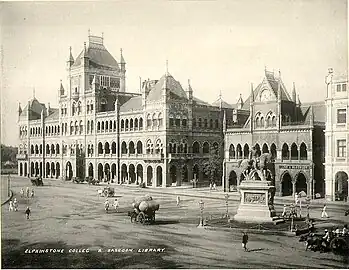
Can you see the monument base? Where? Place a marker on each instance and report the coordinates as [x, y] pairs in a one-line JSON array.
[[256, 204]]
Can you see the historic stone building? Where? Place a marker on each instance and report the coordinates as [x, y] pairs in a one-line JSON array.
[[279, 124], [337, 137], [159, 135]]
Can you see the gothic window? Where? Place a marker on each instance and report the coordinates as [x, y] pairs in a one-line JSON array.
[[196, 148]]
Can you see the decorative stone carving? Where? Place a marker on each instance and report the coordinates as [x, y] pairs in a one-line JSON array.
[[254, 198]]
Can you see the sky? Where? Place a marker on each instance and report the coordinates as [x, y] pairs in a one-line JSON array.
[[221, 46]]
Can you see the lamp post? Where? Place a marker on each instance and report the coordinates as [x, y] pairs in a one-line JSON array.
[[201, 205], [8, 185], [292, 207], [226, 196], [307, 200]]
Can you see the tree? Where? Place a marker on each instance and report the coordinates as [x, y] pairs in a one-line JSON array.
[[8, 153], [214, 165]]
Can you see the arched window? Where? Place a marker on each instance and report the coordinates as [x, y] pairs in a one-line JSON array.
[[216, 148], [92, 127], [273, 151], [114, 126], [171, 120], [113, 148], [36, 149], [123, 148], [285, 153], [160, 119], [211, 123], [100, 148], [131, 124], [258, 150], [47, 149], [273, 121], [196, 148], [126, 124], [246, 150], [88, 127], [139, 147], [76, 127], [238, 151], [98, 126], [102, 126], [106, 126], [57, 149], [148, 121], [205, 123], [265, 148], [106, 148], [294, 152], [81, 127], [110, 125], [52, 149], [158, 146], [200, 122], [131, 147], [303, 151], [206, 148], [136, 123], [141, 123], [103, 105], [232, 151], [122, 125], [216, 124], [154, 120], [40, 148]]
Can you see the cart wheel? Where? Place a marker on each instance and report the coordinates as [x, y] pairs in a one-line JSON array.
[[133, 217], [141, 217], [338, 245]]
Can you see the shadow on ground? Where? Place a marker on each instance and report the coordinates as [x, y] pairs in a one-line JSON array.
[[14, 256]]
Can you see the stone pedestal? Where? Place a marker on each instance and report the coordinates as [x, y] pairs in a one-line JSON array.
[[256, 203]]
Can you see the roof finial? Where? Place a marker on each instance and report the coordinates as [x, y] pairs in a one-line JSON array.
[[279, 73], [89, 32], [34, 92], [166, 67], [102, 35], [85, 45], [220, 94]]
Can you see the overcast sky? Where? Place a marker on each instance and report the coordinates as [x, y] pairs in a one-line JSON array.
[[218, 45]]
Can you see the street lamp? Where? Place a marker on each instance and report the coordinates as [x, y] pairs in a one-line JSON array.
[[201, 205], [226, 196], [292, 208]]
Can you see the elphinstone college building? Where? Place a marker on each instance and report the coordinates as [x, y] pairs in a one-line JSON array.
[[159, 136], [162, 134]]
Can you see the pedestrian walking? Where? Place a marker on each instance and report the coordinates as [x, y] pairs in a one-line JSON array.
[[27, 192], [27, 212], [244, 241], [22, 192], [284, 211], [106, 205], [10, 206], [32, 193], [178, 200], [15, 205], [210, 185], [324, 213], [116, 205], [345, 229], [214, 186]]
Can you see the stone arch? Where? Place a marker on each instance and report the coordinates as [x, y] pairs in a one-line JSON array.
[[246, 151], [20, 169], [149, 146], [136, 123], [238, 151], [131, 124], [47, 169], [185, 175], [126, 124], [273, 150], [301, 182], [265, 148], [113, 147], [139, 147], [90, 169], [100, 148], [286, 184], [285, 152], [341, 185], [206, 148], [258, 150], [149, 175], [123, 148], [139, 173], [159, 176], [233, 180], [100, 171], [132, 173], [122, 124], [25, 169], [173, 174], [303, 151], [294, 151], [124, 176], [196, 147], [113, 172], [232, 151], [141, 123], [107, 172], [68, 171], [131, 147], [58, 169]]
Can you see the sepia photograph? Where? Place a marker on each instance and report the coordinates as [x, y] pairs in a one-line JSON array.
[[174, 134]]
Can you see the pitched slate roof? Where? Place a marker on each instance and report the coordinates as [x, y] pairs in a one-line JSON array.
[[133, 104], [171, 84], [200, 102], [225, 104], [54, 114], [319, 111], [98, 55], [35, 106]]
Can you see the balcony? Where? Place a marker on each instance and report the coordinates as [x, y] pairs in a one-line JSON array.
[[21, 156], [154, 156], [183, 156]]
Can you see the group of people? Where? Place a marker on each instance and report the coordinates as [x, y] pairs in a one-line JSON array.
[[107, 205], [213, 186], [28, 193], [329, 234]]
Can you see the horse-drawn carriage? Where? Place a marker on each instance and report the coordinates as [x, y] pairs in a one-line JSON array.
[[144, 209], [36, 181], [91, 181], [108, 192], [316, 242], [78, 180]]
